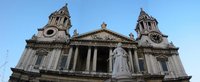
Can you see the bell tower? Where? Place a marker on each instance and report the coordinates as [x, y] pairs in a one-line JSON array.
[[156, 54], [148, 31], [45, 48], [146, 23], [57, 28], [60, 19]]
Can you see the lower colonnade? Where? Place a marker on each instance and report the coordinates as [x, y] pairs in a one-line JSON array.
[[97, 59]]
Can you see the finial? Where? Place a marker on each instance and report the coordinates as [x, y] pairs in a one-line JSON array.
[[75, 33], [141, 9], [103, 25], [66, 4]]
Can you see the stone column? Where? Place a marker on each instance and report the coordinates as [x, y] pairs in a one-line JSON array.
[[110, 59], [131, 60], [136, 61], [62, 20], [88, 59], [67, 21], [53, 21], [69, 57], [94, 60], [75, 58]]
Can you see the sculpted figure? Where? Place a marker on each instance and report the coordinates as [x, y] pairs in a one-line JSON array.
[[120, 66]]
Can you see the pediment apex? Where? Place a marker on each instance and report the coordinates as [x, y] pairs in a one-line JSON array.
[[102, 34]]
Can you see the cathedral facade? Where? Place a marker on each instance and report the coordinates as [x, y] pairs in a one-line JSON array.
[[53, 55]]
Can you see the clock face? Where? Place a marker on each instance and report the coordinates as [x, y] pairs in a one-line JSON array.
[[155, 37], [49, 32]]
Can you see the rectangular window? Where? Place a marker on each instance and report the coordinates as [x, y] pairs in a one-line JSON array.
[[164, 65], [63, 61], [141, 64], [39, 60]]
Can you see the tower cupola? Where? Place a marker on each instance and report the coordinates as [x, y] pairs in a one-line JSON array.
[[146, 23], [60, 18]]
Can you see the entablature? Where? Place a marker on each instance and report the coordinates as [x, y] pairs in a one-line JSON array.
[[157, 51], [46, 44], [102, 43]]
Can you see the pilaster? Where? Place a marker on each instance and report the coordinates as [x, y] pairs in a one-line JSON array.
[[22, 59], [58, 53], [51, 59]]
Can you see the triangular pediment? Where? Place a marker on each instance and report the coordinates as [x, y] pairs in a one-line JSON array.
[[103, 35]]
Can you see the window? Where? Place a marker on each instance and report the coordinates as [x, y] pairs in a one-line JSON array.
[[149, 24], [57, 18], [39, 60], [141, 23], [63, 62], [164, 65], [65, 20], [141, 64]]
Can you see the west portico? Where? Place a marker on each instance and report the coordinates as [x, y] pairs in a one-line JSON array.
[[91, 52]]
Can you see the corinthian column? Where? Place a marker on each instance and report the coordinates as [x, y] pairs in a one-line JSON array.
[[88, 59], [69, 57], [75, 58], [131, 60], [94, 60], [136, 61], [110, 60]]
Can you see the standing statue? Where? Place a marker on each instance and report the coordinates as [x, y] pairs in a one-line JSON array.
[[120, 66]]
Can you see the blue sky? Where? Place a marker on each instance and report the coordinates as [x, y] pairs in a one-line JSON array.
[[179, 19]]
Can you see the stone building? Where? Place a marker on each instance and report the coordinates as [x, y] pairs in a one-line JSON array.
[[53, 55]]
